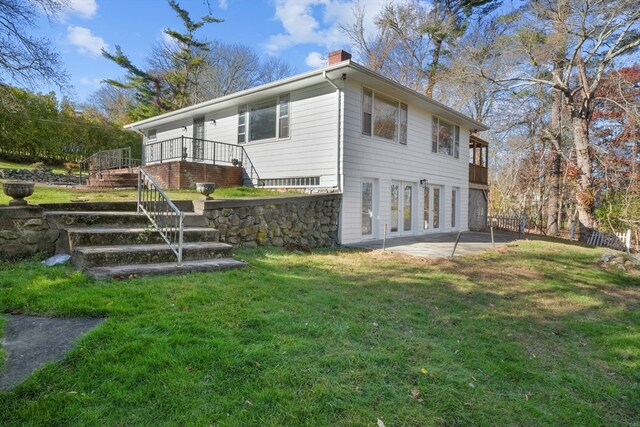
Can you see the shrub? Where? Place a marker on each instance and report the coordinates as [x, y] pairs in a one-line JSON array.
[[71, 167], [40, 167]]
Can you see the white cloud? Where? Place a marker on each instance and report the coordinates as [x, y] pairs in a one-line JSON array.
[[223, 4], [318, 22], [85, 42], [86, 9], [86, 81], [315, 60], [168, 40]]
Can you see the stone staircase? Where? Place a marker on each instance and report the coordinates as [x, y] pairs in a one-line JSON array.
[[114, 178], [113, 240]]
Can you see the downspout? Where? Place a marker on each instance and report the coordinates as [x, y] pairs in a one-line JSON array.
[[339, 175]]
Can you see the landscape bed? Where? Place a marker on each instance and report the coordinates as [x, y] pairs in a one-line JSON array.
[[537, 333]]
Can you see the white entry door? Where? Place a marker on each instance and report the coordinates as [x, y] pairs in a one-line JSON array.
[[402, 201]]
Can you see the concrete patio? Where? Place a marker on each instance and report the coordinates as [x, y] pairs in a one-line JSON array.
[[440, 245]]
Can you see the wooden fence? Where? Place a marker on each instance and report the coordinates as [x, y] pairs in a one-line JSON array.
[[515, 223], [620, 241]]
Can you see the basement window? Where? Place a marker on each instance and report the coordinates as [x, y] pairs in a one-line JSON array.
[[307, 181]]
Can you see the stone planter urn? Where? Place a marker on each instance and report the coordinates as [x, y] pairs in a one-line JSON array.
[[206, 188], [18, 190]]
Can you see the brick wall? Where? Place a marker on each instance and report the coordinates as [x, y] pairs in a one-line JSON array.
[[176, 175]]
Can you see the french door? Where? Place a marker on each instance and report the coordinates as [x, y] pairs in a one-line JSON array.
[[432, 213], [401, 220], [369, 209]]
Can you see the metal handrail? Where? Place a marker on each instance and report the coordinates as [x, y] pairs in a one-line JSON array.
[[164, 215], [184, 148], [117, 158]]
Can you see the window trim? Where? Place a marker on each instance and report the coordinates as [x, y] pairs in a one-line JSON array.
[[244, 120], [435, 138], [401, 136], [155, 134]]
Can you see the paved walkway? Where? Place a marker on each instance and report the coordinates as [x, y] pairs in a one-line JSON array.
[[30, 342], [440, 245]]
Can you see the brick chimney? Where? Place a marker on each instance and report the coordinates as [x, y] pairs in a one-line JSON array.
[[338, 56]]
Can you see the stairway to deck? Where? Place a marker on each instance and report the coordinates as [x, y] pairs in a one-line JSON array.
[[113, 240], [114, 178]]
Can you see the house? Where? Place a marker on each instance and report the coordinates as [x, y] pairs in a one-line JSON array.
[[399, 158]]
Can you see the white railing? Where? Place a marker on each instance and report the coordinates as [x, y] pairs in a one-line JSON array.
[[620, 241], [162, 212]]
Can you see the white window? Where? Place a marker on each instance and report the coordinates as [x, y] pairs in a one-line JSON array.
[[152, 135], [242, 124], [445, 138], [265, 120], [383, 117]]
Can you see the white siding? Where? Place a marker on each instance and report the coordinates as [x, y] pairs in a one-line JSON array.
[[311, 149], [386, 161]]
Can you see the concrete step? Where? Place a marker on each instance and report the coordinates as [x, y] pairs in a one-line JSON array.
[[135, 270], [84, 257], [110, 236], [113, 179], [66, 219]]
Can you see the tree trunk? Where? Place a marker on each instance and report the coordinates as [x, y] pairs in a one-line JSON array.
[[586, 192], [553, 201], [433, 67]]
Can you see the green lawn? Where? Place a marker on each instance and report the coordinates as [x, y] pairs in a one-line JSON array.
[[534, 334], [57, 194]]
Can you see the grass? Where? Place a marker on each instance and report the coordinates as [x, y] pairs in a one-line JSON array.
[[57, 194], [534, 334]]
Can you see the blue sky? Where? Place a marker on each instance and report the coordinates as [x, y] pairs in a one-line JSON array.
[[301, 32]]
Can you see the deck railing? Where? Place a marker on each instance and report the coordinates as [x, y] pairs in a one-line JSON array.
[[118, 158], [478, 174], [166, 218], [184, 148]]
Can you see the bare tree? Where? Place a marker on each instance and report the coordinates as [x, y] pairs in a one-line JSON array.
[[24, 58], [372, 49], [597, 33]]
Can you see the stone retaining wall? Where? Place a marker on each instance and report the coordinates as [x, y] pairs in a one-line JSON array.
[[38, 176], [24, 232], [300, 221]]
